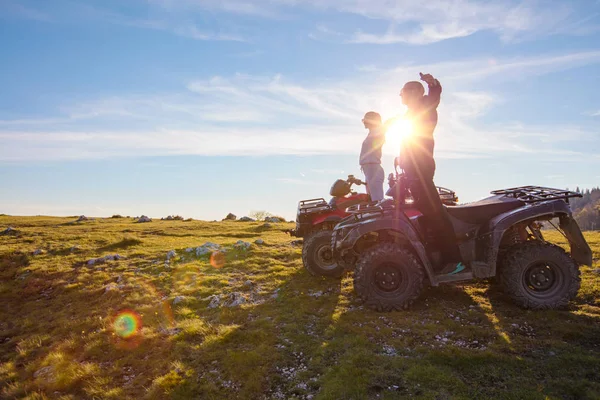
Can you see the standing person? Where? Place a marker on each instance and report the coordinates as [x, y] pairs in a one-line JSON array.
[[419, 165], [370, 155]]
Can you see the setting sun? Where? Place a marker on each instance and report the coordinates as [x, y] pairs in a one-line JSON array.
[[397, 132]]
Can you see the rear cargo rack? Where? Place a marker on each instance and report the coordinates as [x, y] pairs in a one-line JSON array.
[[534, 194], [310, 205]]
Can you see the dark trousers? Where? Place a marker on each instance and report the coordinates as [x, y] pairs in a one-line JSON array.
[[420, 169]]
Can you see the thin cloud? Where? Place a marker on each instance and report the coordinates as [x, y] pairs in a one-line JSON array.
[[259, 115]]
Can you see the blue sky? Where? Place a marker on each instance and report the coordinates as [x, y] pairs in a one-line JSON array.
[[202, 107]]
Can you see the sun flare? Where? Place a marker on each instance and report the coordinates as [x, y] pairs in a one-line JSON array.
[[397, 132]]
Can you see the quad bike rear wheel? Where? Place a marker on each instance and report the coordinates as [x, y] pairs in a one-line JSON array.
[[318, 257], [539, 275], [388, 277]]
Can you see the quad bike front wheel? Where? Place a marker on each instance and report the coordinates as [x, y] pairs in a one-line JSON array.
[[539, 275], [318, 257], [388, 277]]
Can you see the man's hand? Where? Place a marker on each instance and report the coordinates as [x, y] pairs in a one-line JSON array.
[[429, 79]]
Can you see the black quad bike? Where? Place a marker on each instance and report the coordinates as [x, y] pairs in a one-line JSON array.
[[498, 236], [316, 218]]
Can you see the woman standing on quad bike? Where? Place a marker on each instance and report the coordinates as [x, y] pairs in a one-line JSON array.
[[370, 155], [419, 165]]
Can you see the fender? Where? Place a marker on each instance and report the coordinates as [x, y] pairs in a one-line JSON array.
[[335, 216], [398, 224], [490, 236]]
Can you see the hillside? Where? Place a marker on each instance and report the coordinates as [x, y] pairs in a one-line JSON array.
[[587, 209], [152, 323]]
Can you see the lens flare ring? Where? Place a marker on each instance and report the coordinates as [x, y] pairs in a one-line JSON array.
[[127, 324]]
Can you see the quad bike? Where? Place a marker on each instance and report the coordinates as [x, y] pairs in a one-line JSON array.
[[316, 218], [498, 236]]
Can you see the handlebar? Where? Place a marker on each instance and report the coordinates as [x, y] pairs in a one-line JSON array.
[[352, 180]]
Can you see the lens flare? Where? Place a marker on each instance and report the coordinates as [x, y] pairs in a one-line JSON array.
[[217, 259], [397, 132], [127, 324]]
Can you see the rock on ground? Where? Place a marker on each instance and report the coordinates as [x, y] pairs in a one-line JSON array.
[[82, 218], [178, 299], [38, 252], [235, 299], [246, 219], [272, 220], [208, 248], [259, 241], [171, 254], [9, 231], [241, 245], [215, 301], [230, 217], [144, 218]]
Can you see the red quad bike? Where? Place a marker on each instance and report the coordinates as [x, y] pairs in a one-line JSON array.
[[500, 236], [316, 219]]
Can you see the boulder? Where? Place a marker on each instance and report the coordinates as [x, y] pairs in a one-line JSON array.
[[259, 241], [235, 299], [273, 220], [38, 252], [178, 299], [230, 217], [10, 231], [169, 218], [246, 219], [267, 225], [171, 254], [82, 218], [144, 218], [215, 301], [241, 245]]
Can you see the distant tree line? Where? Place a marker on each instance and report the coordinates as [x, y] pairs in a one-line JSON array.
[[587, 209]]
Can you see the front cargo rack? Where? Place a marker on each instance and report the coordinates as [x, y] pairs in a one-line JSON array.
[[369, 208], [534, 194]]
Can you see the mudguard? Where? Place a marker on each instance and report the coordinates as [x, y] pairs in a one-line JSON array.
[[399, 224], [490, 236], [580, 249]]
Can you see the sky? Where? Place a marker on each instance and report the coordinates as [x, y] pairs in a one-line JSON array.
[[205, 107]]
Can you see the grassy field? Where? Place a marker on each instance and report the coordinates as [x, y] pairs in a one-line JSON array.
[[141, 327]]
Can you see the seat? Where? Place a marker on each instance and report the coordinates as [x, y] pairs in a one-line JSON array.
[[483, 210]]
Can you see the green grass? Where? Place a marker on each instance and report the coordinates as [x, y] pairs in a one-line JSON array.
[[57, 337]]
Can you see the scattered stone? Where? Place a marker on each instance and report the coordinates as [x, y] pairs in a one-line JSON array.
[[273, 220], [302, 386], [247, 219], [47, 372], [267, 225], [248, 283], [235, 299], [215, 301], [275, 294], [189, 249], [208, 248], [230, 217], [171, 331], [178, 299], [259, 241], [10, 231], [169, 218], [112, 287], [38, 252], [82, 218], [241, 245], [144, 218], [171, 254], [316, 294]]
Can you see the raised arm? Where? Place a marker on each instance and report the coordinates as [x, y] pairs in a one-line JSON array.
[[433, 97]]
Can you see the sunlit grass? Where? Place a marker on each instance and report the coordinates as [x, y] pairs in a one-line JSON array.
[[296, 336]]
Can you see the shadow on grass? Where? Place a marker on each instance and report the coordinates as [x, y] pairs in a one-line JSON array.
[[121, 245]]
